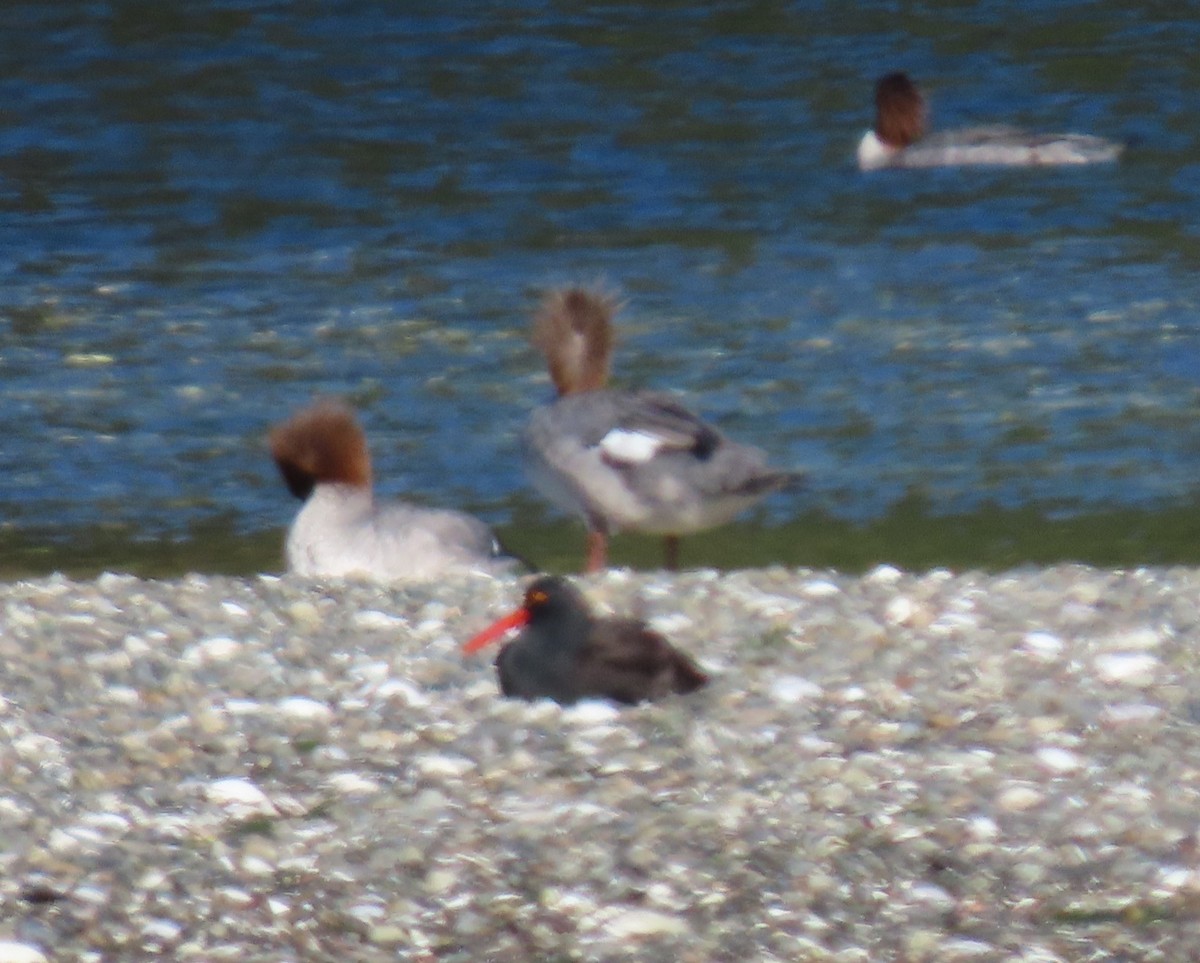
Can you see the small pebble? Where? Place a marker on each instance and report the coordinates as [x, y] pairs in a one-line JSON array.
[[303, 709], [793, 689], [640, 923], [1057, 760], [1017, 799], [240, 798], [900, 610], [1046, 645], [376, 620], [219, 649], [12, 951], [1130, 668]]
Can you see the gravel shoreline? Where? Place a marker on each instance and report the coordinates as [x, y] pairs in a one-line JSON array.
[[895, 766]]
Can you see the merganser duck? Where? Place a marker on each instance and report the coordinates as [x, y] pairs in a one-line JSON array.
[[628, 460], [343, 531], [898, 138], [566, 654]]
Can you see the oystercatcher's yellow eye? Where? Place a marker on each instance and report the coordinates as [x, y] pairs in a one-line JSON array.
[[538, 597]]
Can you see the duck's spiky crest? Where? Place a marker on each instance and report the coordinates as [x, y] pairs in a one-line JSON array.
[[573, 330], [322, 444]]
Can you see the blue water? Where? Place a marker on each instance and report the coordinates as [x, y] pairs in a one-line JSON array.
[[214, 211]]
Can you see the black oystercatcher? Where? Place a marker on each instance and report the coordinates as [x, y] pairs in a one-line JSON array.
[[566, 654], [628, 460]]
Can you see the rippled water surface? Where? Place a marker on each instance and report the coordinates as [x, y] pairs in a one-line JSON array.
[[214, 211]]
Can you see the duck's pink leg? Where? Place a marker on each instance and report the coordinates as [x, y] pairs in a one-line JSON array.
[[597, 556], [671, 552]]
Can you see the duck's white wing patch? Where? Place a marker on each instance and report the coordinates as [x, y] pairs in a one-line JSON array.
[[630, 447]]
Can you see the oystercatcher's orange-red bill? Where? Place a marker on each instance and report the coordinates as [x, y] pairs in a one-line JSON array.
[[513, 621]]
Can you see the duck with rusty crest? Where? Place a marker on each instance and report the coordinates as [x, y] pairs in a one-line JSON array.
[[628, 460], [343, 530]]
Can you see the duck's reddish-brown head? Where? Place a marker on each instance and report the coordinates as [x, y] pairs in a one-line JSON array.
[[322, 444], [573, 329], [900, 111]]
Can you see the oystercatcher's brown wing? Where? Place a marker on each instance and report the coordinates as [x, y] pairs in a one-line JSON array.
[[626, 661]]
